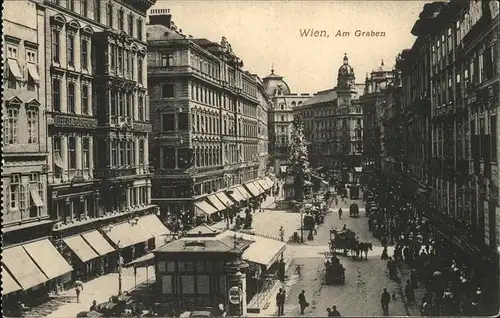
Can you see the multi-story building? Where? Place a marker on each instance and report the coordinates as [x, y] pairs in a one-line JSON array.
[[262, 129], [98, 125], [451, 101], [205, 122], [26, 221], [375, 100], [280, 119], [333, 127]]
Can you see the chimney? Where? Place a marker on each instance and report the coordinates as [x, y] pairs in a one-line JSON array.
[[160, 17]]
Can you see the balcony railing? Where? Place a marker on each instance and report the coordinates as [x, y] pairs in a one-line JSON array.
[[114, 173], [74, 121]]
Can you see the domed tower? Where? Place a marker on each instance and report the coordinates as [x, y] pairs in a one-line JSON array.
[[345, 77], [275, 85]]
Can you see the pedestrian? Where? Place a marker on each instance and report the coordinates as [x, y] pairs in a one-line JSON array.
[[302, 302], [384, 300], [94, 306], [329, 312], [340, 214], [280, 302], [384, 255], [335, 312], [78, 290], [409, 293]]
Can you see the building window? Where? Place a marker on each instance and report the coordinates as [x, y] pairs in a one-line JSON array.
[[139, 30], [168, 122], [109, 15], [140, 108], [167, 59], [203, 284], [168, 157], [56, 46], [72, 152], [71, 50], [84, 8], [85, 99], [56, 94], [56, 151], [71, 97], [167, 90], [32, 116], [71, 5], [97, 10], [120, 20], [14, 189], [130, 23], [114, 157], [11, 128], [112, 56], [141, 151], [86, 153], [85, 54], [119, 60], [140, 62]]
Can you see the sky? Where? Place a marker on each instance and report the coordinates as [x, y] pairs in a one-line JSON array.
[[267, 34]]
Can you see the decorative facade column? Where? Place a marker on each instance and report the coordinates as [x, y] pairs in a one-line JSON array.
[[91, 156], [78, 152], [64, 152]]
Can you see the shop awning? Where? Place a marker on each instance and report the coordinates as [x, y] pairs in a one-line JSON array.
[[58, 161], [143, 261], [14, 68], [128, 234], [224, 199], [48, 258], [258, 187], [236, 195], [83, 250], [203, 207], [153, 224], [35, 195], [32, 71], [98, 242], [263, 251], [216, 202], [264, 184], [244, 193], [252, 189], [269, 181], [358, 169], [28, 275], [9, 284]]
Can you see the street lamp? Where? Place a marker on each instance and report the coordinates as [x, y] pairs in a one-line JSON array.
[[120, 264]]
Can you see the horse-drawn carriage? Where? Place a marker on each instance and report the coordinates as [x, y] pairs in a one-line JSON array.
[[354, 210], [344, 239], [347, 241], [334, 271]]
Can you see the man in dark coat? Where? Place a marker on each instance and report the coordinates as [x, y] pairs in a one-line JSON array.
[[280, 302], [384, 300], [335, 312], [302, 302]]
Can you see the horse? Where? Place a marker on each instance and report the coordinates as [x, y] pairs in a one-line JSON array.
[[363, 247]]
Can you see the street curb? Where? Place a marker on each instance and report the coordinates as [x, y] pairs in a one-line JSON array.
[[401, 290]]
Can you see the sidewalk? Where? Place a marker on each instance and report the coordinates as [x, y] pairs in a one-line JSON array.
[[414, 309], [99, 289]]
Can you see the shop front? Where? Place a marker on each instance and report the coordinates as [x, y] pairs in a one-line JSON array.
[[32, 270]]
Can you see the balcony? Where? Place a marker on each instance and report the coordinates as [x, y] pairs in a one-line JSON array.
[[73, 121], [114, 173], [142, 127]]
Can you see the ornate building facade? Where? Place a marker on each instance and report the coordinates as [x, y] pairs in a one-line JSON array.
[[206, 116], [376, 105], [450, 105], [334, 128], [280, 121], [98, 126]]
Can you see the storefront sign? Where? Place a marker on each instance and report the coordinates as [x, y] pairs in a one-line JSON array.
[[486, 223], [234, 295]]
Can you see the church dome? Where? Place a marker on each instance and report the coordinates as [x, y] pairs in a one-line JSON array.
[[346, 69], [274, 83]]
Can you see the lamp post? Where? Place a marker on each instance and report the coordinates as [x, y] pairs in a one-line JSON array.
[[228, 210], [120, 263]]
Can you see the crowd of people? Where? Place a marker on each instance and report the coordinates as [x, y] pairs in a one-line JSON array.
[[450, 287]]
